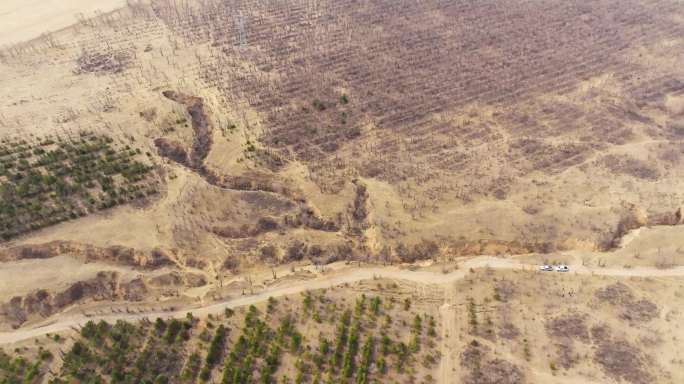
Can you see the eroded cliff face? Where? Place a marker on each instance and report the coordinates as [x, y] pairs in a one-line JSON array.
[[634, 218], [19, 309], [173, 150], [115, 255], [201, 138], [106, 286]]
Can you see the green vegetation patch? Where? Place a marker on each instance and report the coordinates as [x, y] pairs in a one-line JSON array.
[[316, 340], [53, 179]]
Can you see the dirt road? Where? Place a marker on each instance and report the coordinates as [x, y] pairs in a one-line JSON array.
[[326, 280], [448, 314]]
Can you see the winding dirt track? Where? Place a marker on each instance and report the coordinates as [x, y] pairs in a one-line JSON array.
[[333, 278]]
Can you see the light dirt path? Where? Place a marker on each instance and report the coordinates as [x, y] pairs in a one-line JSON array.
[[327, 280], [448, 314]]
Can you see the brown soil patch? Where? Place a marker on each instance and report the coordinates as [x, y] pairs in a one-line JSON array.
[[572, 326], [627, 165], [640, 311], [622, 361], [102, 63], [173, 150], [616, 294], [103, 287], [496, 371]]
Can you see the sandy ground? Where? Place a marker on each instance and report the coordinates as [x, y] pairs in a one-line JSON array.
[[22, 20], [49, 274]]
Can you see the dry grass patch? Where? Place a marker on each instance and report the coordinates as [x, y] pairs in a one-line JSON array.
[[622, 361]]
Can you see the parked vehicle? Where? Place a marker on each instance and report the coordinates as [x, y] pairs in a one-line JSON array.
[[545, 268], [562, 268]]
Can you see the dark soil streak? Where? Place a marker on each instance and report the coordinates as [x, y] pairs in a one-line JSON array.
[[201, 143], [116, 255]]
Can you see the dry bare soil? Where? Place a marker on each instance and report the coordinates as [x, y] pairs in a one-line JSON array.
[[175, 153], [516, 327]]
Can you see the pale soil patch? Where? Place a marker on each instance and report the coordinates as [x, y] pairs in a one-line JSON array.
[[327, 204], [675, 104], [22, 20], [50, 274], [658, 246]]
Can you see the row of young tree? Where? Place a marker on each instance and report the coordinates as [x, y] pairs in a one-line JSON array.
[[54, 180], [266, 346]]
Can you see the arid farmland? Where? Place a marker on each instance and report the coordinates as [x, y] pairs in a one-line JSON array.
[[179, 155]]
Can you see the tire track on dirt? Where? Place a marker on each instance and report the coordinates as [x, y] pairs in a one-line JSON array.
[[334, 278]]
